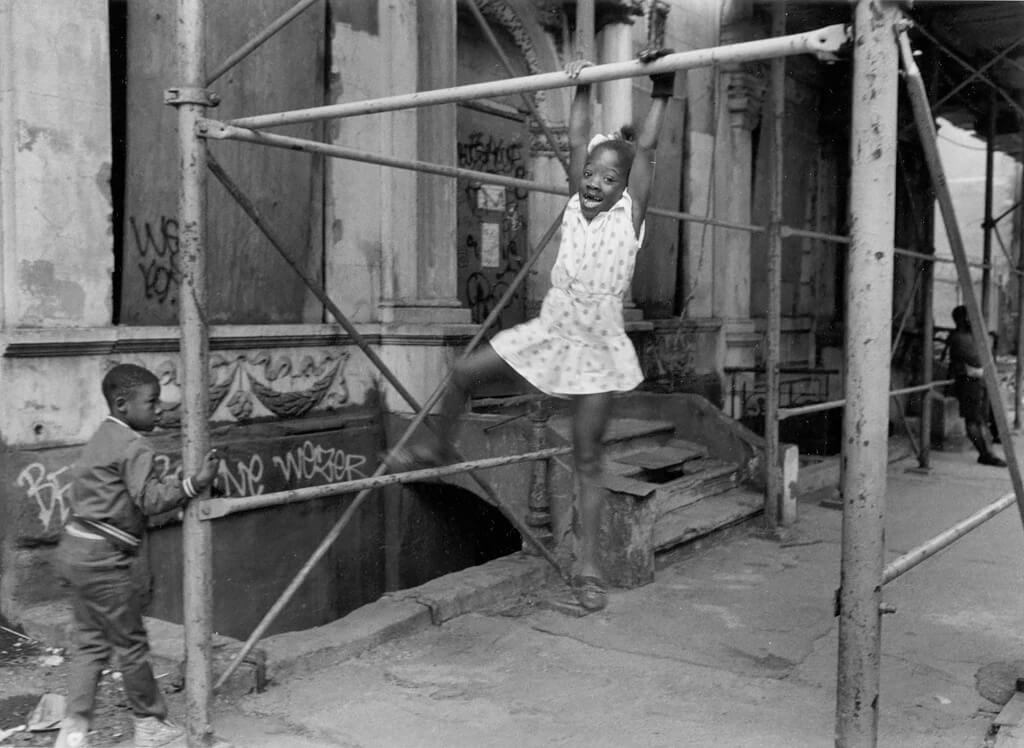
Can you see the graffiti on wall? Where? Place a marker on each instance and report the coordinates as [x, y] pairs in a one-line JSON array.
[[243, 471], [156, 244], [494, 155], [48, 490], [313, 462], [669, 355], [493, 224]]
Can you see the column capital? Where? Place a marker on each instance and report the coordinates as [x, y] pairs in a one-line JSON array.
[[540, 146], [745, 91]]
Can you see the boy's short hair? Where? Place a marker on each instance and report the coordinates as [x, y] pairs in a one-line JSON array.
[[123, 379]]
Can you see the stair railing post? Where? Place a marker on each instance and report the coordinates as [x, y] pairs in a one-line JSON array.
[[539, 501]]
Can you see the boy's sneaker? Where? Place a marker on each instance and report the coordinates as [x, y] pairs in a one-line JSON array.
[[151, 732]]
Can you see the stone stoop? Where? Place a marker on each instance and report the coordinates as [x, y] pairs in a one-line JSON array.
[[662, 497], [663, 492], [624, 435]]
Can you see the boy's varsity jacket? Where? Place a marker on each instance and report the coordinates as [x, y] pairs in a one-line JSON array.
[[115, 486]]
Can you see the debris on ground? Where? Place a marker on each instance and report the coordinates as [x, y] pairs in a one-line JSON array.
[[47, 714]]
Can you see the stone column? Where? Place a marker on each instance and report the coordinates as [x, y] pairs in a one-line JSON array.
[[742, 88], [55, 159], [420, 255], [616, 97]]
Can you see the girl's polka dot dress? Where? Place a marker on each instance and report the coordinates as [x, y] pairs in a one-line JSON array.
[[578, 343]]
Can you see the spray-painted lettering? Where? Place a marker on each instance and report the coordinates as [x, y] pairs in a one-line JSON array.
[[157, 246], [49, 489], [310, 461]]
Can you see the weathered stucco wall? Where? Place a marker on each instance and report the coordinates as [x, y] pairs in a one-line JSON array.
[[56, 243], [255, 553]]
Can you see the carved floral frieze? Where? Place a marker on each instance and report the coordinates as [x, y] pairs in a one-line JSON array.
[[259, 384]]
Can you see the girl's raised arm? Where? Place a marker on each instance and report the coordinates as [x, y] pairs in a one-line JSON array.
[[641, 175], [579, 124]]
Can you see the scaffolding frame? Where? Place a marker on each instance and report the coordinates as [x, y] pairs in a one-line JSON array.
[[876, 50]]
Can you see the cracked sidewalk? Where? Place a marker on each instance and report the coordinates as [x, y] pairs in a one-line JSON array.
[[732, 645]]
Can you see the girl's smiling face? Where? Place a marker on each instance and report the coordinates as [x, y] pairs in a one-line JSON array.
[[603, 182]]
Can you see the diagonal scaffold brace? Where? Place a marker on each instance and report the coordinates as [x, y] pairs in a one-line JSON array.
[[420, 418], [928, 138]]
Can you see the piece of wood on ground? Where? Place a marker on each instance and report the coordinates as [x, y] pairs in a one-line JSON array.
[[1013, 711]]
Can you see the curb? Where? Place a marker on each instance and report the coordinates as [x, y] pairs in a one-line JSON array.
[[394, 615], [405, 612]]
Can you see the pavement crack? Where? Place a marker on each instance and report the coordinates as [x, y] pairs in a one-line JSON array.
[[638, 652]]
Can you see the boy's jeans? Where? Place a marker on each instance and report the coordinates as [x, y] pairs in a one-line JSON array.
[[107, 605]]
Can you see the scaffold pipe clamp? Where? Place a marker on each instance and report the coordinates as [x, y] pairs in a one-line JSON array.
[[190, 95]]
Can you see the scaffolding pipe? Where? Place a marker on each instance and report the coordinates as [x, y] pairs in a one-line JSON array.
[[926, 132], [833, 404], [507, 64], [823, 41], [221, 131], [197, 546], [217, 508], [924, 457], [866, 415], [1008, 211], [976, 73], [417, 420], [257, 41], [1018, 374], [987, 224], [773, 332], [216, 130], [943, 540]]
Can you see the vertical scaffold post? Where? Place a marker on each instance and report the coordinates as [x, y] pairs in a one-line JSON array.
[[1018, 374], [868, 340], [192, 298], [986, 223], [924, 456], [773, 332]]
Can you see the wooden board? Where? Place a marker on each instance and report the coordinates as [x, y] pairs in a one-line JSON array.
[[669, 455], [248, 282], [1012, 712]]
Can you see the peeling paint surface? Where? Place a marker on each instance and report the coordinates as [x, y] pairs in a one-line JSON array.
[[50, 297], [29, 136]]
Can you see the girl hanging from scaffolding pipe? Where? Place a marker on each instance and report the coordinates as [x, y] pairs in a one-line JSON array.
[[577, 347]]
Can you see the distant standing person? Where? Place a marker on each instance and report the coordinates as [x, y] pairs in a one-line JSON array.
[[965, 367], [115, 487]]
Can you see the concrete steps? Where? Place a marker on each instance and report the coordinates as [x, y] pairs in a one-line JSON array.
[[663, 492]]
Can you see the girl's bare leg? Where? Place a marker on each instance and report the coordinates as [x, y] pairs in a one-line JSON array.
[[483, 366], [590, 418]]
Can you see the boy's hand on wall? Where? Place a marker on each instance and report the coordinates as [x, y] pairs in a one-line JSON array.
[[206, 474]]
